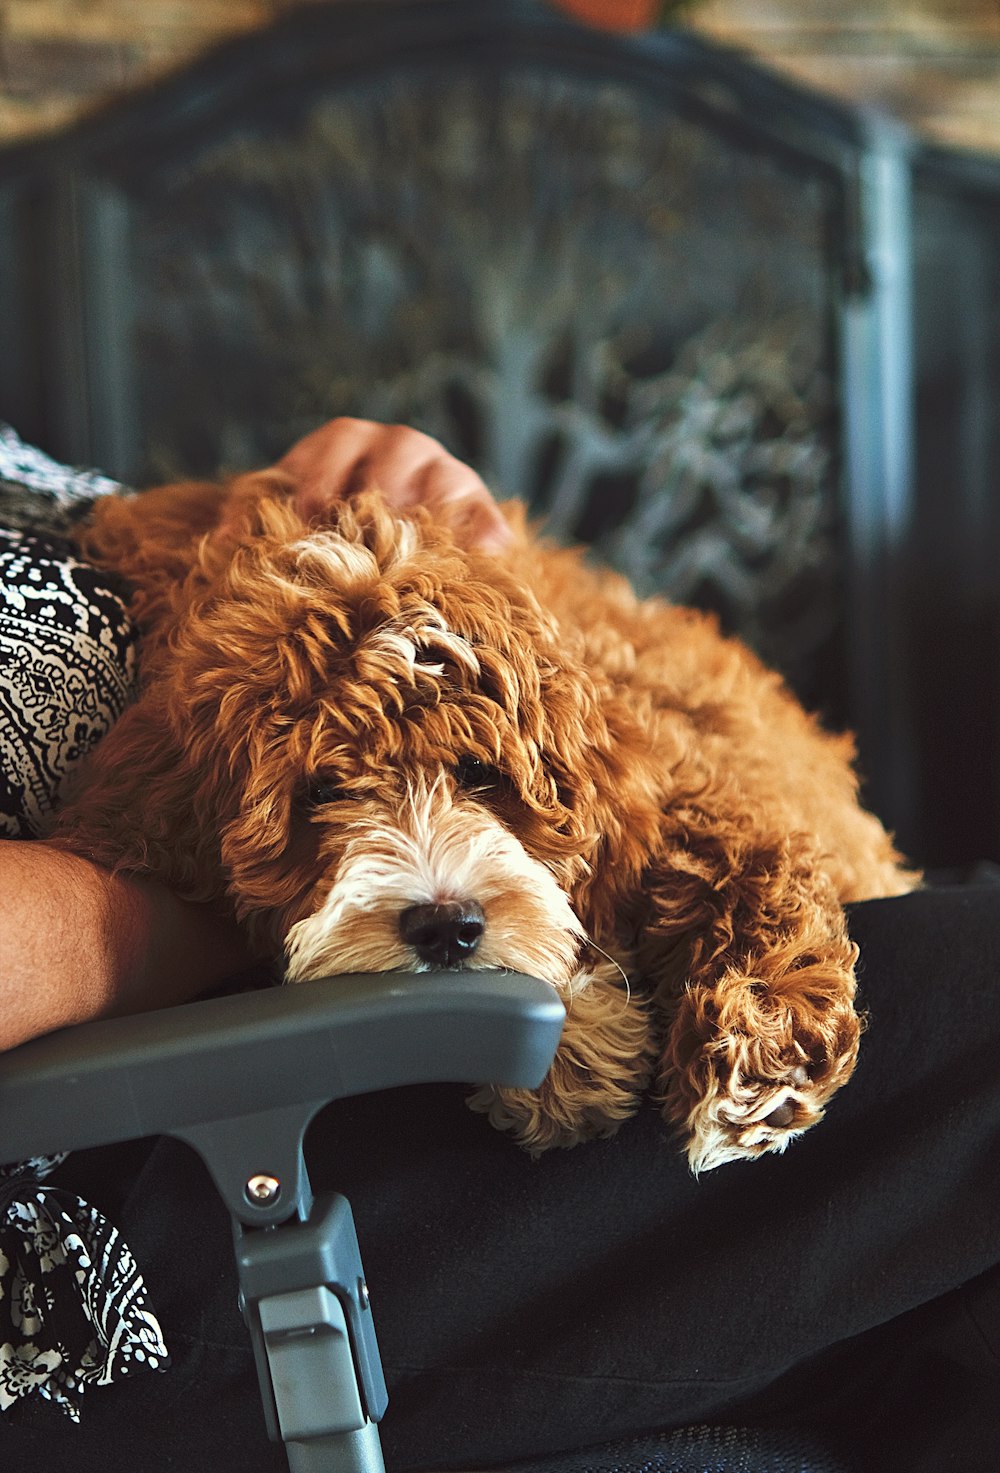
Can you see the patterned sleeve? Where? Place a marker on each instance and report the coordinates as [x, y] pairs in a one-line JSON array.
[[67, 646]]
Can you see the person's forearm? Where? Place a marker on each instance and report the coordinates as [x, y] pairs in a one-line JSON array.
[[78, 943]]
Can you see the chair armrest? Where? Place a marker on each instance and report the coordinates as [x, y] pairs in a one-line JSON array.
[[304, 1045]]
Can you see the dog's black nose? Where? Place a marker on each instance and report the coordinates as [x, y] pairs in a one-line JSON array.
[[445, 935]]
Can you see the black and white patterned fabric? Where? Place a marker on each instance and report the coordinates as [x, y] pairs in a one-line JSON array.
[[67, 656], [67, 648], [73, 1308]]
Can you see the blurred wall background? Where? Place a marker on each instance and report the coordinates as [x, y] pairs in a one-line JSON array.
[[933, 63]]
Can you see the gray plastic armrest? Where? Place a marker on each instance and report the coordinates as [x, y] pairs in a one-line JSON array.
[[290, 1049]]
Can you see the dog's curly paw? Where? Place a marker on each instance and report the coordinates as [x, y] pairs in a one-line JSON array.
[[751, 1063]]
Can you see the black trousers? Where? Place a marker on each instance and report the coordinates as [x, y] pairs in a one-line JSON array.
[[850, 1287]]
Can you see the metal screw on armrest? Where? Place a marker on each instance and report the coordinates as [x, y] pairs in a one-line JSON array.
[[262, 1189]]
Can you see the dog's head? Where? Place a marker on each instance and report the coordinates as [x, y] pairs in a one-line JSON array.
[[381, 747]]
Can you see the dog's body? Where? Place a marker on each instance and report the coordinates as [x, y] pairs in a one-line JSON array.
[[387, 753]]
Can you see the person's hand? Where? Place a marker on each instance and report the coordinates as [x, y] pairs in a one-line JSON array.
[[409, 468]]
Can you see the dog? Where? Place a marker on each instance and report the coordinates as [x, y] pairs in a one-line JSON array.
[[384, 752]]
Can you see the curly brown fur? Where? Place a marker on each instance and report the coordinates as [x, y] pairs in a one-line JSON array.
[[341, 724], [604, 1065]]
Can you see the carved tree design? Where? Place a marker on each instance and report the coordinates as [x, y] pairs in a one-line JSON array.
[[610, 309]]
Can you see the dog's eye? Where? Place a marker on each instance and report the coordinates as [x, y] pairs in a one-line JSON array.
[[474, 775], [322, 790]]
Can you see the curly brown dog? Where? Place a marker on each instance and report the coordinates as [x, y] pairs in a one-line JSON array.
[[384, 752]]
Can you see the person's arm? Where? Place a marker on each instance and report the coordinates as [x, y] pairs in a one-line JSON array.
[[78, 943]]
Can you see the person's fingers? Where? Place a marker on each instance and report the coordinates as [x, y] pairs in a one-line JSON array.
[[408, 467], [457, 498], [322, 463], [348, 455]]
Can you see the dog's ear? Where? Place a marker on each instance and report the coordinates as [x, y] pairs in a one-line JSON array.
[[195, 782], [205, 815], [138, 805]]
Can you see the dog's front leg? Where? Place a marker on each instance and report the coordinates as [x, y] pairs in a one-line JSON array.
[[602, 1068], [756, 982]]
